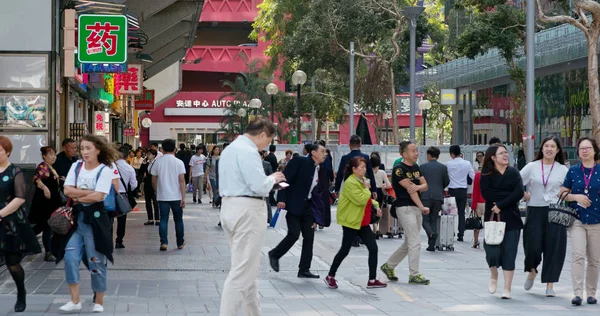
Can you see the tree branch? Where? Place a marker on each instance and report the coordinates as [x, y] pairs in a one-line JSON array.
[[562, 18], [384, 8], [512, 26], [592, 7], [583, 17]]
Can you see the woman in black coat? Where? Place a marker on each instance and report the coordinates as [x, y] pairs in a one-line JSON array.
[[46, 199], [502, 188]]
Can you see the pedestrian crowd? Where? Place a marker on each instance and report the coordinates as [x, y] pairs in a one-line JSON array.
[[92, 178]]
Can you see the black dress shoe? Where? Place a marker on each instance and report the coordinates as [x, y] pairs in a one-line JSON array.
[[308, 275], [119, 245], [576, 301], [274, 262], [460, 239], [21, 304], [430, 248]]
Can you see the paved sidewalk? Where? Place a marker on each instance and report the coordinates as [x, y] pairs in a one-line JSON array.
[[145, 281]]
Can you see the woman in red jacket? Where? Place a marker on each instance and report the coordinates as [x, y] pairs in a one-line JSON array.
[[478, 205]]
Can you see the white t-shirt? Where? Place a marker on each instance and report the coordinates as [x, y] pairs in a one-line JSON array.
[[532, 178], [197, 164], [167, 169], [86, 180]]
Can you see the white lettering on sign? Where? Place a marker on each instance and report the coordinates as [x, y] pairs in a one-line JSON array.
[[207, 103]]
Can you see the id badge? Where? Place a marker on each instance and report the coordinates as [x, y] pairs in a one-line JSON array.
[[548, 198]]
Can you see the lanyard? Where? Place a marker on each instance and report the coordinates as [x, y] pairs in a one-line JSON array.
[[544, 180], [587, 179]]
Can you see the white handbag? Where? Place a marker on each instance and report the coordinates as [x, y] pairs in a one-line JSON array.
[[494, 231]]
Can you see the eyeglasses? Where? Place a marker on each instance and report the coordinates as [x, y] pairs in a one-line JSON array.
[[585, 148]]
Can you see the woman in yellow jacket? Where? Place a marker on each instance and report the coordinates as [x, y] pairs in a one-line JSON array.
[[354, 215]]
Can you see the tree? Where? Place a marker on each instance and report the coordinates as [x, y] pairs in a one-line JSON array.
[[439, 117], [501, 25], [591, 30]]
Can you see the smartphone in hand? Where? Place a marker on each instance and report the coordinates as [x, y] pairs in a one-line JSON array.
[[280, 186]]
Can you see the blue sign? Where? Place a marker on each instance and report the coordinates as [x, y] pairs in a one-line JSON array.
[[103, 68]]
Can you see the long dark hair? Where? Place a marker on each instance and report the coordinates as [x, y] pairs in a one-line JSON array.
[[488, 162], [108, 154], [354, 163], [560, 155]]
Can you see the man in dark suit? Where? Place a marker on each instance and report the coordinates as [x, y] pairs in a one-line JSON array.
[[437, 177], [272, 159], [302, 174], [355, 144]]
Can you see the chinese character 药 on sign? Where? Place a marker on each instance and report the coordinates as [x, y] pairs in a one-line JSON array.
[[102, 39]]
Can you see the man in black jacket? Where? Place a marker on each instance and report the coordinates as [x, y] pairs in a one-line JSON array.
[[355, 144], [272, 159], [302, 174], [65, 159], [437, 177]]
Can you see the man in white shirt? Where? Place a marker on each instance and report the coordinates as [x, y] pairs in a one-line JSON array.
[[244, 213], [459, 171], [197, 173], [127, 181], [168, 180]]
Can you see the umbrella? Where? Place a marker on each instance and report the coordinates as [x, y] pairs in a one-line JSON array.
[[362, 130]]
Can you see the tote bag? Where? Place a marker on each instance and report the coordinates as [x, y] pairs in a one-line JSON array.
[[494, 231], [449, 207]]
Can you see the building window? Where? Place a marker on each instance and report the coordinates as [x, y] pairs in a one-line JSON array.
[[24, 72], [23, 110]]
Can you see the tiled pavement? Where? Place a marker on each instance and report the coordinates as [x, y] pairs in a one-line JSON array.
[[144, 281]]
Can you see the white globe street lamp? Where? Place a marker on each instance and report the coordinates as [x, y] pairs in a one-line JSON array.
[[424, 105], [298, 79]]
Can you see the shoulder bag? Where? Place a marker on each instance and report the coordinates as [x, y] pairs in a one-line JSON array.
[[494, 231], [124, 201]]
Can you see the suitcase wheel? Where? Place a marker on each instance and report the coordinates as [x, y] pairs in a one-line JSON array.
[[450, 248]]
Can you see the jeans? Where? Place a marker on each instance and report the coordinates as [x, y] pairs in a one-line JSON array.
[[163, 228], [213, 185], [366, 234], [83, 240]]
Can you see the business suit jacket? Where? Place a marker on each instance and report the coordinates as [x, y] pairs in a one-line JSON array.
[[299, 174], [272, 159], [437, 178], [344, 162]]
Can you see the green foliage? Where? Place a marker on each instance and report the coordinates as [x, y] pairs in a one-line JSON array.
[[439, 117]]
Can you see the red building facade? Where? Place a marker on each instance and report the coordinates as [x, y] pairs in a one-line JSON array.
[[220, 52]]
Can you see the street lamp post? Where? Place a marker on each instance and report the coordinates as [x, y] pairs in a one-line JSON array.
[[298, 79], [424, 105], [412, 13], [272, 90]]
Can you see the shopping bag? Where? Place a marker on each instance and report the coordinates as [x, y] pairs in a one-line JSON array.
[[190, 187], [494, 231], [274, 218], [281, 222], [449, 207]]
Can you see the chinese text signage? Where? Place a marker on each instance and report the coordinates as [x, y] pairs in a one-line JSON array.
[[145, 101], [102, 39], [129, 132], [130, 82], [99, 124], [208, 103]]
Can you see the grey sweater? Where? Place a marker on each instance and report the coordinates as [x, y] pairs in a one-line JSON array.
[[436, 175]]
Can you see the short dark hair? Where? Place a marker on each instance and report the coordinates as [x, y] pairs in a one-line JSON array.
[[434, 152], [124, 151], [225, 145], [193, 147], [182, 146], [154, 144], [46, 150], [309, 148], [355, 140], [594, 145], [272, 148], [494, 140], [375, 161], [321, 142], [153, 152], [67, 141], [168, 145], [455, 150], [260, 125], [404, 145]]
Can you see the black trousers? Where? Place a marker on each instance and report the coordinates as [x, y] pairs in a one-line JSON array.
[[121, 224], [366, 234], [461, 203], [547, 239], [46, 236], [298, 224], [151, 203], [430, 221]]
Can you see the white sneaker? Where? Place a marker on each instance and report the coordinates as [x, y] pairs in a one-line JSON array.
[[98, 308], [492, 286], [71, 307], [506, 294]]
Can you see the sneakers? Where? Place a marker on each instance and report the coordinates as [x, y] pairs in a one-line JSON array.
[[71, 307], [163, 247], [374, 284], [418, 279], [550, 293], [180, 246], [528, 284], [331, 282], [492, 286], [194, 200], [506, 294], [97, 308], [49, 257], [389, 272]]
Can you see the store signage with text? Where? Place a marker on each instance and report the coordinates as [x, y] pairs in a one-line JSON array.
[[145, 101], [103, 68], [208, 103], [102, 39], [129, 132], [99, 125], [130, 82]]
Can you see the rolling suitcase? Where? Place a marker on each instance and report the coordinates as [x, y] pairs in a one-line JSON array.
[[445, 238]]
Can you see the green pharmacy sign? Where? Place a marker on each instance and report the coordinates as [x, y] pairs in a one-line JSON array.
[[102, 39]]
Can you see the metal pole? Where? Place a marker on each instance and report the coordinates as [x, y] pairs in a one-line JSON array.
[[530, 85], [273, 116], [298, 112], [314, 121], [352, 89], [424, 126], [413, 44]]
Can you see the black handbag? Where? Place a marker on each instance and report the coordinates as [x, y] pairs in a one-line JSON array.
[[473, 222], [561, 214], [374, 217]]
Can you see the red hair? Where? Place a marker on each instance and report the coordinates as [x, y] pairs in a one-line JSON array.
[[6, 144]]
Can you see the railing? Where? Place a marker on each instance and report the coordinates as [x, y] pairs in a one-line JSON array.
[[222, 58], [229, 10]]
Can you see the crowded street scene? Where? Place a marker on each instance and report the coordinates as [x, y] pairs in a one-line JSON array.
[[299, 158]]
